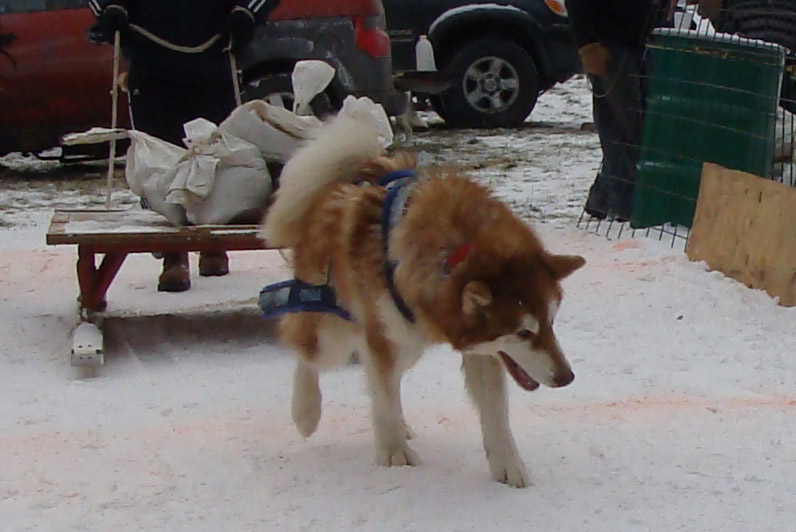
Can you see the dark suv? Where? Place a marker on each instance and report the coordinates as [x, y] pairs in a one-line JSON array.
[[494, 56], [54, 81]]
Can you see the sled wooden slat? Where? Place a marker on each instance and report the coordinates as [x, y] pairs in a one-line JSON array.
[[139, 231], [115, 234]]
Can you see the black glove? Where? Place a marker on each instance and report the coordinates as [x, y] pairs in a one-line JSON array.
[[113, 19], [239, 28]]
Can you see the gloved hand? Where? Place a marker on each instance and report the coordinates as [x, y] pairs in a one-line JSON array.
[[239, 28], [113, 19], [710, 9], [596, 59]]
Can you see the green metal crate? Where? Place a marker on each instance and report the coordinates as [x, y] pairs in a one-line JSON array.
[[710, 98]]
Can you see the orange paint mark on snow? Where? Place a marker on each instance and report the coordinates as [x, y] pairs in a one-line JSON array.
[[644, 405], [626, 244]]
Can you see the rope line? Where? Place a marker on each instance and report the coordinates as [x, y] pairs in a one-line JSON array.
[[176, 47]]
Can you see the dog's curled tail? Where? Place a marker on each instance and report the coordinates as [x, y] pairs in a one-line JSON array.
[[341, 148]]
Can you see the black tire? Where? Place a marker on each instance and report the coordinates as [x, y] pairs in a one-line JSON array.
[[277, 89], [496, 84]]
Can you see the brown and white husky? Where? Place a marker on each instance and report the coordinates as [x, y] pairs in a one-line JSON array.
[[446, 263]]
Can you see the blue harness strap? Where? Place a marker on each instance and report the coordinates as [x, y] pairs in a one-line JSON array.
[[391, 214], [389, 180], [297, 296]]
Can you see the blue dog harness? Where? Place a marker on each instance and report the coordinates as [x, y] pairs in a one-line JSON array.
[[397, 184], [297, 296]]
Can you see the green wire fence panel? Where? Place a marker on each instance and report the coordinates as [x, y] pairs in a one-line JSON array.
[[709, 98]]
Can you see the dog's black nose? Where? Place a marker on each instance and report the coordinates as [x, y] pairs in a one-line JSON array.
[[564, 378]]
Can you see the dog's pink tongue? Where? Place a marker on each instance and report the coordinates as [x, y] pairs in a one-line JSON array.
[[520, 376]]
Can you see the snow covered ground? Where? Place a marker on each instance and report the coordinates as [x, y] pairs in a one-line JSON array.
[[682, 415]]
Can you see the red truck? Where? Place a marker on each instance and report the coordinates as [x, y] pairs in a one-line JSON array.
[[54, 80]]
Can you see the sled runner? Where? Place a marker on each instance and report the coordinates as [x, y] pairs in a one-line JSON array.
[[115, 234]]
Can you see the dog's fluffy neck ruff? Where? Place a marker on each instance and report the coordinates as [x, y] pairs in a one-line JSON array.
[[399, 186], [453, 231]]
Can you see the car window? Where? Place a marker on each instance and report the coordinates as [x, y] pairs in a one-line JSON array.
[[29, 6]]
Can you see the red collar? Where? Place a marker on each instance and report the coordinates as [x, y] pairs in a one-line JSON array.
[[459, 255]]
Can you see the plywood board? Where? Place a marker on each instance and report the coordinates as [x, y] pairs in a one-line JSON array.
[[745, 227]]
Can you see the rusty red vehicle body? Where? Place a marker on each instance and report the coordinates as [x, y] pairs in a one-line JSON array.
[[54, 80]]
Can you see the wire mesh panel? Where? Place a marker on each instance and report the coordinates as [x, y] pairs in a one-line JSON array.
[[710, 98], [719, 88]]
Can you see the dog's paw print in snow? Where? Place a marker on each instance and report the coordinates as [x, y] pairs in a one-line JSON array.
[[596, 452]]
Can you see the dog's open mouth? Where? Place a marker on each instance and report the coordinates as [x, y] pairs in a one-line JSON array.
[[520, 376]]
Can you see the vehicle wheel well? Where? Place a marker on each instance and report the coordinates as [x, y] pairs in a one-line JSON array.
[[271, 67], [447, 44], [285, 66]]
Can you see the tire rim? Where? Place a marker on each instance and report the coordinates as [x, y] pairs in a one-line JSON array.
[[278, 98], [491, 85]]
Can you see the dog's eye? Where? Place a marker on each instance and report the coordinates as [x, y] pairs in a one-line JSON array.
[[524, 334]]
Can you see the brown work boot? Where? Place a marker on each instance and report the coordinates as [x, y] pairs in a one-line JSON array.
[[213, 263], [176, 276]]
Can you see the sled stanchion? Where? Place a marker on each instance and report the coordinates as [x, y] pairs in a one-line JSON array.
[[114, 111], [233, 64]]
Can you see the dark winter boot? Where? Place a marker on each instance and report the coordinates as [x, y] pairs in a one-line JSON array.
[[597, 201], [176, 276], [213, 263]]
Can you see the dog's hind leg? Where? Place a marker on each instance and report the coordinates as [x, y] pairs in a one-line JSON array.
[[322, 341], [306, 401], [384, 382], [485, 381]]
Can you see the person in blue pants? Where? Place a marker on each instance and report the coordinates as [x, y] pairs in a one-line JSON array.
[[611, 37]]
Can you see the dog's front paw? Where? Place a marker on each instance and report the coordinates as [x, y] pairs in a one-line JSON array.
[[396, 456], [410, 434], [508, 468]]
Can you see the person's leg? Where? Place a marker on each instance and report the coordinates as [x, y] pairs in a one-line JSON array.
[[627, 102], [597, 200], [213, 101], [618, 118], [175, 276], [213, 263], [155, 108]]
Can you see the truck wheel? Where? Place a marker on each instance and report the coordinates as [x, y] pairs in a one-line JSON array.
[[496, 85], [277, 89]]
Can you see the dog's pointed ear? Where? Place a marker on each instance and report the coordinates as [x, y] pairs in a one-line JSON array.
[[563, 265], [476, 295]]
